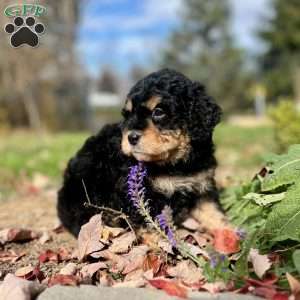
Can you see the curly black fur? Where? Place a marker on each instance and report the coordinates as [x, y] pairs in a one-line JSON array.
[[103, 167]]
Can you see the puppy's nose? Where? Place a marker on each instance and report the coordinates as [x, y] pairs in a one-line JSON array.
[[134, 137]]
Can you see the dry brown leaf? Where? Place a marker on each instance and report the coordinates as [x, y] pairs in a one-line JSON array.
[[122, 243], [17, 235], [24, 271], [170, 287], [165, 246], [111, 232], [134, 275], [69, 269], [214, 287], [187, 272], [261, 263], [135, 258], [191, 224], [118, 261], [45, 237], [90, 269], [89, 235], [10, 256], [48, 255], [293, 283], [130, 284], [14, 288], [60, 279], [152, 262]]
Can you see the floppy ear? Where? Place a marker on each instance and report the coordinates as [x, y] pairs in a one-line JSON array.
[[204, 113]]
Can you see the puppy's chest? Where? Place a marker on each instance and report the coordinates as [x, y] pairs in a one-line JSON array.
[[197, 183]]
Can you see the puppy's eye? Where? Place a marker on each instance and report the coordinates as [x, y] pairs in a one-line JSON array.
[[158, 114]]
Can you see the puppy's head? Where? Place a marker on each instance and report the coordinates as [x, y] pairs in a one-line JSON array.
[[163, 114]]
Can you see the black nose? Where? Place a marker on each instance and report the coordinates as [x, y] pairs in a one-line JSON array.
[[134, 137]]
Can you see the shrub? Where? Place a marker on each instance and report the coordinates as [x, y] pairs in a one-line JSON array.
[[286, 119]]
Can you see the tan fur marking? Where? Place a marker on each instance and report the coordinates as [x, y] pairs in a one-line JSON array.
[[154, 145], [128, 105], [125, 144], [199, 182], [209, 216], [152, 102]]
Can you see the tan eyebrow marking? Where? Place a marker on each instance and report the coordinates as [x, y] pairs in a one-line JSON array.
[[152, 102], [128, 105]]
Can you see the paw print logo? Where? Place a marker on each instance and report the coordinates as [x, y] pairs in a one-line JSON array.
[[24, 32]]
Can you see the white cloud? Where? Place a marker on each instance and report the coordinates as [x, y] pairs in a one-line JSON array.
[[153, 12]]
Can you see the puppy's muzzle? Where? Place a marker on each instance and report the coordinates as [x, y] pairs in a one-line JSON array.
[[134, 137]]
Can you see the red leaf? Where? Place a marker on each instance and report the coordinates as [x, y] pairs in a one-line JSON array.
[[171, 288], [280, 296], [63, 280], [267, 282], [153, 262], [48, 255], [226, 241]]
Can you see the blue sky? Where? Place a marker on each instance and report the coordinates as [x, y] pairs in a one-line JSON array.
[[120, 33]]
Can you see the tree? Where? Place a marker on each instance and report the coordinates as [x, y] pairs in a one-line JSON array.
[[108, 81], [202, 47], [281, 61]]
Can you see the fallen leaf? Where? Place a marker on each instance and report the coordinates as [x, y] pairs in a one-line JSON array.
[[130, 284], [10, 256], [152, 262], [64, 254], [187, 272], [135, 258], [24, 272], [119, 261], [89, 235], [214, 287], [90, 269], [265, 292], [69, 269], [281, 296], [111, 232], [137, 274], [293, 283], [60, 279], [17, 235], [226, 241], [261, 263], [191, 224], [14, 288], [45, 237], [170, 287], [48, 255], [122, 243], [165, 246]]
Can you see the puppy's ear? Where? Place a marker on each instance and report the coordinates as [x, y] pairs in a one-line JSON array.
[[204, 113]]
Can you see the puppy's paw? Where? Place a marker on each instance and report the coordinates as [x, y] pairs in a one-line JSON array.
[[210, 217]]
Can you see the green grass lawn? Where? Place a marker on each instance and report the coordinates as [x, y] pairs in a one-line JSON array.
[[238, 148]]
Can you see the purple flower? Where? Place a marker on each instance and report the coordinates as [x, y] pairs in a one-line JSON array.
[[241, 233], [213, 261], [135, 183], [165, 222]]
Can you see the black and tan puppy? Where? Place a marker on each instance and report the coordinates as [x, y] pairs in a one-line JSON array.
[[168, 122]]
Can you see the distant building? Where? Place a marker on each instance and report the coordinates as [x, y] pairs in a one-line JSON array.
[[104, 108]]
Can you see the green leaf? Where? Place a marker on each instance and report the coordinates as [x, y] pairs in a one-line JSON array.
[[284, 219], [264, 200], [296, 259], [285, 169]]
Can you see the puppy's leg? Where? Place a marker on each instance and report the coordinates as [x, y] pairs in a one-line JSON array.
[[209, 215]]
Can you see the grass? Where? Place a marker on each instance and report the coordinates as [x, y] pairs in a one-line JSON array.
[[239, 149]]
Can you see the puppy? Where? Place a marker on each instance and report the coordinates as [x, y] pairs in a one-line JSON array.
[[168, 122]]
